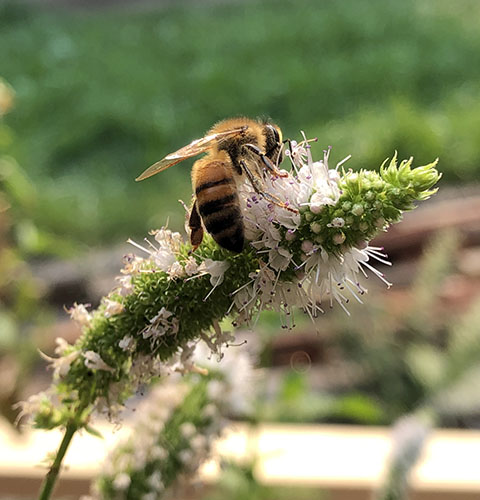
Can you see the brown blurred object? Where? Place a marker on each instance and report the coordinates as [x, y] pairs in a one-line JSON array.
[[408, 238]]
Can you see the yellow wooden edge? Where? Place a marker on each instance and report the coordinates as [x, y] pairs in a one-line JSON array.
[[324, 456]]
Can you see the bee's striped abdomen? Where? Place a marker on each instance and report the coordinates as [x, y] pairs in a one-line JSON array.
[[218, 204]]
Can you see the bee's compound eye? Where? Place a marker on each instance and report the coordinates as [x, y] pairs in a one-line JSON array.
[[275, 133]]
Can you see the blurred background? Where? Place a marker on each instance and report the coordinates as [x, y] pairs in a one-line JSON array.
[[92, 92]]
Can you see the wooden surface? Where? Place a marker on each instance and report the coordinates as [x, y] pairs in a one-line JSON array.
[[346, 461]]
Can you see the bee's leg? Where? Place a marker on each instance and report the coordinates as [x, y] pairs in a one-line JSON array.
[[266, 160], [258, 187], [195, 225]]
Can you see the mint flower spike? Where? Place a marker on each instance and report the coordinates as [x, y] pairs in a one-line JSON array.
[[168, 300], [317, 255]]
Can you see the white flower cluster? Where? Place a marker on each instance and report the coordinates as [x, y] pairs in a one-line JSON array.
[[235, 392], [315, 276], [161, 324], [66, 356], [135, 453], [147, 448], [80, 314], [32, 405], [163, 255], [144, 367]]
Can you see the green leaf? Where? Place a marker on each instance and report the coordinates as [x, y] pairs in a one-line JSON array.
[[93, 431]]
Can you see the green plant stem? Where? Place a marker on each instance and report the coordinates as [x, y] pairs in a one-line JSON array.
[[52, 475]]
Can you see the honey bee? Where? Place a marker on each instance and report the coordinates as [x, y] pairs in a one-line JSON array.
[[234, 148]]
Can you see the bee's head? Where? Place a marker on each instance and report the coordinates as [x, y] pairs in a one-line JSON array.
[[273, 142]]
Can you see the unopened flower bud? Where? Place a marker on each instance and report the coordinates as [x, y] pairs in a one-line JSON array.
[[380, 222], [307, 246], [349, 220], [357, 209], [339, 238], [315, 208], [290, 235]]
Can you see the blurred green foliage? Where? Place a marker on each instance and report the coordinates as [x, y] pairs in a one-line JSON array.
[[103, 94], [297, 402], [21, 314]]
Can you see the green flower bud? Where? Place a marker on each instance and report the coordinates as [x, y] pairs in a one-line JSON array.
[[357, 209], [423, 178], [349, 220]]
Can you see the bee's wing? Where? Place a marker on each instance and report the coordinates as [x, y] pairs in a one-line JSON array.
[[193, 149]]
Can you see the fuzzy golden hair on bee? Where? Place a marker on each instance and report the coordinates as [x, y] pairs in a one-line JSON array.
[[235, 149]]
